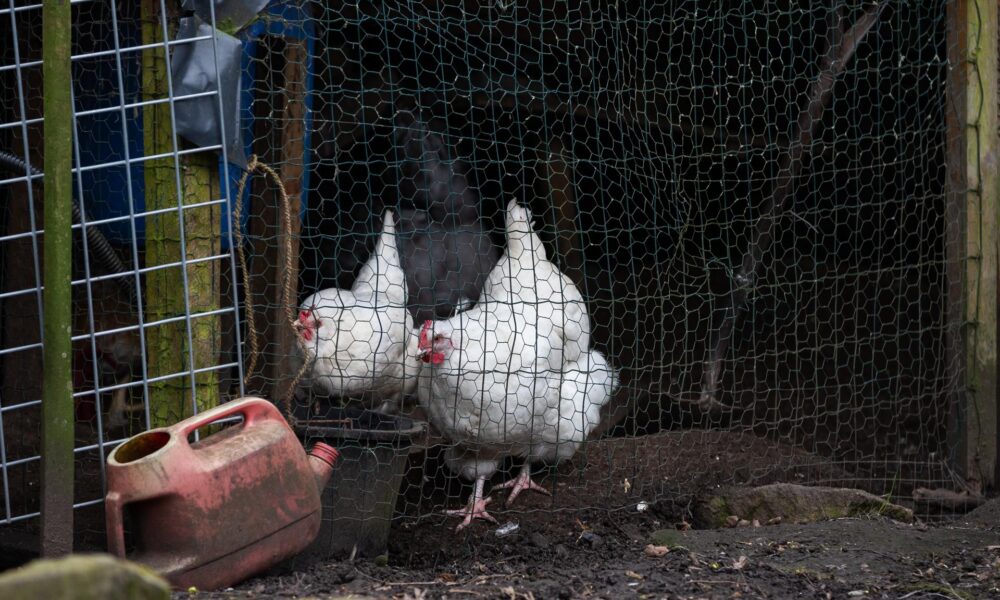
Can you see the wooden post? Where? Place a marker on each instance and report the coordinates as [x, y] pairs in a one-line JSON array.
[[203, 238], [167, 345], [281, 143], [561, 192], [291, 171], [166, 398], [973, 191]]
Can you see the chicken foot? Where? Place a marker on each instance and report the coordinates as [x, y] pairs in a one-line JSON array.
[[522, 482], [476, 507], [120, 408]]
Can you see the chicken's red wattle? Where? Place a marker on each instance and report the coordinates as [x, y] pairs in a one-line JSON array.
[[305, 318]]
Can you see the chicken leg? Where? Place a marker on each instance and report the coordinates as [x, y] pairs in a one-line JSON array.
[[121, 408], [476, 508], [522, 482]]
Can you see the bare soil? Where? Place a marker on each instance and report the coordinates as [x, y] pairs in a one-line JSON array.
[[620, 495]]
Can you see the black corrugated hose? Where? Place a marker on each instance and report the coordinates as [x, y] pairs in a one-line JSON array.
[[96, 242]]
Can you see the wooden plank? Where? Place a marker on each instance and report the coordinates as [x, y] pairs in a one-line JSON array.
[[973, 188], [290, 170], [262, 228], [568, 242], [281, 146]]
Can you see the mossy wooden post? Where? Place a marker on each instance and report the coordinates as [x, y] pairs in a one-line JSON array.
[[167, 345], [57, 382], [973, 194], [202, 231]]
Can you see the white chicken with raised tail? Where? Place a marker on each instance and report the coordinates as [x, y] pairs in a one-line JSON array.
[[492, 375], [360, 342]]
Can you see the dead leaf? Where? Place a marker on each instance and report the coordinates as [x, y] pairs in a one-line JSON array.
[[633, 575], [683, 526], [740, 563], [655, 551], [732, 520]]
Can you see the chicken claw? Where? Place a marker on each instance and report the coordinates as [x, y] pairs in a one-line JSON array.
[[520, 483], [475, 509]]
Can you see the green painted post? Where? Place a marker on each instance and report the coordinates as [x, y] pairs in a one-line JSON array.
[[57, 381]]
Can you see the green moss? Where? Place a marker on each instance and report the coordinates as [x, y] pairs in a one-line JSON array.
[[83, 577], [227, 26]]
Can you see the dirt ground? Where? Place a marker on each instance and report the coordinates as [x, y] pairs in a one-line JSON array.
[[589, 540]]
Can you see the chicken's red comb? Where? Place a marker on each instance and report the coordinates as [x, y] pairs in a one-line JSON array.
[[304, 315], [424, 342]]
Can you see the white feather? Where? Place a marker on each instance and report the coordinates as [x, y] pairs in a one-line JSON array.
[[365, 345], [518, 380]]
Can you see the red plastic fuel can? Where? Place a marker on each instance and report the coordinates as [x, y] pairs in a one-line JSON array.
[[211, 513]]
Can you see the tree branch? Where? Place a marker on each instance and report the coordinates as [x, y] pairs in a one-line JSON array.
[[834, 62]]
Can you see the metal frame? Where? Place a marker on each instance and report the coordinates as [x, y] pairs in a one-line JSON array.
[[120, 106]]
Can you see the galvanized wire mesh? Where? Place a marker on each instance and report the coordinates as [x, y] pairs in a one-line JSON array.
[[647, 138], [153, 302]]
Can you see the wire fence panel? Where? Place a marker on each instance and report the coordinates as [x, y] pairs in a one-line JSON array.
[[153, 304], [653, 247]]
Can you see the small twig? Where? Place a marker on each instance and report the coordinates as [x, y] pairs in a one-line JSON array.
[[803, 219], [930, 594]]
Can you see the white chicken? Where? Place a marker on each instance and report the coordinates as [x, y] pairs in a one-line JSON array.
[[493, 382], [360, 341], [560, 427]]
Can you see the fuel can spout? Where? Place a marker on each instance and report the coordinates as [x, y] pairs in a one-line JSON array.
[[322, 459]]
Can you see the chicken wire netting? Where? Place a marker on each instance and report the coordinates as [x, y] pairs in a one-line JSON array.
[[648, 139]]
